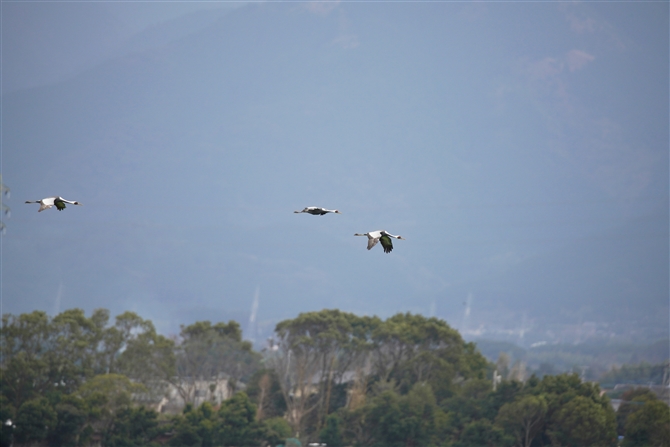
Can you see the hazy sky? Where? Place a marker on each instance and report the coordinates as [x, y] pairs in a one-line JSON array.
[[521, 148]]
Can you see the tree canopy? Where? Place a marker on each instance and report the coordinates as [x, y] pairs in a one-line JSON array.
[[329, 376]]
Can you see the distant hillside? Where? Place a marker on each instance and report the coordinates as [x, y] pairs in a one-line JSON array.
[[191, 154], [592, 359]]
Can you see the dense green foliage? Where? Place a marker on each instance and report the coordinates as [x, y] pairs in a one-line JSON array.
[[650, 425], [41, 355], [330, 377], [233, 424], [643, 419], [73, 380]]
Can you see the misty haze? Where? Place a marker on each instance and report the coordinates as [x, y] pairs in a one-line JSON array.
[[520, 149]]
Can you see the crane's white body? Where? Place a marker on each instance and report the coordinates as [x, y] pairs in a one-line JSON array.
[[373, 237], [317, 211], [49, 202]]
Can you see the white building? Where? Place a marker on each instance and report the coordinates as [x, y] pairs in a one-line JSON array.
[[195, 392]]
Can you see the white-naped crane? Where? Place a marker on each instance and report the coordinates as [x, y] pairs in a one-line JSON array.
[[317, 211], [382, 236], [48, 202]]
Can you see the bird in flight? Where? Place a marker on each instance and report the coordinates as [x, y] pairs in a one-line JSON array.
[[48, 202], [382, 236], [317, 211]]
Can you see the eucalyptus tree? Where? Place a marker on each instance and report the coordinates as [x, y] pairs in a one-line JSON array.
[[524, 418], [649, 425], [390, 419], [24, 363], [632, 400], [412, 348], [237, 422], [40, 354], [578, 413], [264, 390], [557, 410], [581, 421], [207, 352], [75, 342], [137, 351], [71, 416], [133, 426], [33, 420], [116, 338], [105, 396], [313, 352], [233, 424]]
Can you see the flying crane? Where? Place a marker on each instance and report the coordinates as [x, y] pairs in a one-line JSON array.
[[382, 236], [49, 202], [317, 211]]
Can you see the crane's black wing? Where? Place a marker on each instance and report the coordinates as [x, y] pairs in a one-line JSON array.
[[59, 204], [387, 245]]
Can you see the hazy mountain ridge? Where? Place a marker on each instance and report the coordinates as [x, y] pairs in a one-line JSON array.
[[217, 142]]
